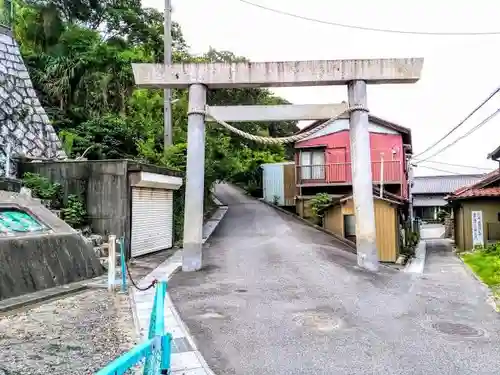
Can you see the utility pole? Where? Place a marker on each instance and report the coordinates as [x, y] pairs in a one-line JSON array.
[[167, 102], [410, 195]]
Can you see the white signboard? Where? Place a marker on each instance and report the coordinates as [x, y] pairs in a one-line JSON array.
[[477, 228]]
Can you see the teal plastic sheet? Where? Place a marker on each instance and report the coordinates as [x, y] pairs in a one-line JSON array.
[[13, 222]]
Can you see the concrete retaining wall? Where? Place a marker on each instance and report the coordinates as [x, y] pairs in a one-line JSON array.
[[39, 262], [32, 261]]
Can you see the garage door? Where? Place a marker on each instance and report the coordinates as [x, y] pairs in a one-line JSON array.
[[152, 214]]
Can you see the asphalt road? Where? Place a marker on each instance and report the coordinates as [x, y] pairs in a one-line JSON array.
[[279, 297]]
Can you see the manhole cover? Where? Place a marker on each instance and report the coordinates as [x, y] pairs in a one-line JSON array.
[[211, 315], [319, 321], [457, 329]]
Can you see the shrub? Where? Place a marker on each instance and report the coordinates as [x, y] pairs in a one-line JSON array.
[[74, 212]]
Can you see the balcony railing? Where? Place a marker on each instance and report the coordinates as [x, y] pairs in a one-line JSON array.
[[6, 13], [338, 173]]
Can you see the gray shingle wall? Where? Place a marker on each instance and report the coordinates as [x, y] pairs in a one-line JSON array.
[[23, 122]]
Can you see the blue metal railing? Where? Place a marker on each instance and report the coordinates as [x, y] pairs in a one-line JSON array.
[[155, 351], [123, 266]]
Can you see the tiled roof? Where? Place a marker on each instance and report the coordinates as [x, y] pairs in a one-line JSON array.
[[484, 181], [479, 192], [443, 184], [479, 189]]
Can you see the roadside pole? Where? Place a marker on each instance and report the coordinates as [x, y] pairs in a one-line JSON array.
[[167, 95]]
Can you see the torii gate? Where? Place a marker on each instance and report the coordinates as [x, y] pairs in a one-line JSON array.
[[356, 74]]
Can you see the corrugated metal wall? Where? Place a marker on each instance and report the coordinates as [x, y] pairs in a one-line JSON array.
[[289, 184], [273, 184], [278, 183], [386, 227]]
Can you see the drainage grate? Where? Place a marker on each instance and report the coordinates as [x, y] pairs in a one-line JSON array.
[[457, 329], [181, 345]]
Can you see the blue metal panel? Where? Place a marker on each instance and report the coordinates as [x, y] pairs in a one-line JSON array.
[[273, 184]]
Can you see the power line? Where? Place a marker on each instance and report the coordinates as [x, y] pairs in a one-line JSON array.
[[478, 126], [442, 170], [459, 124], [365, 28], [459, 165]]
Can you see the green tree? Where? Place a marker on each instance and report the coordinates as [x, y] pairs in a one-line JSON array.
[[79, 56]]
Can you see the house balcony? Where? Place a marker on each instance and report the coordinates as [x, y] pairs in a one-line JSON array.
[[340, 173]]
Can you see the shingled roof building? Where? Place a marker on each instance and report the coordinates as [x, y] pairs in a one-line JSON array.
[[476, 210], [429, 193], [25, 129]]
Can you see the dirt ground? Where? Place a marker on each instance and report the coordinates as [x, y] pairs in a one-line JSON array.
[[75, 335]]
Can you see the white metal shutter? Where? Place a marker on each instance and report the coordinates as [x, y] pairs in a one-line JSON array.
[[152, 220]]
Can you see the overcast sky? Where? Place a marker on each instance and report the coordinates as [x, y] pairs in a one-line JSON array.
[[459, 71]]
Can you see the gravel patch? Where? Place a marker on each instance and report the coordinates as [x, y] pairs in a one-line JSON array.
[[74, 335]]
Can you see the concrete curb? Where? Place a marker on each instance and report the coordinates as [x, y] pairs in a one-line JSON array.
[[212, 223], [417, 263], [25, 300], [351, 245]]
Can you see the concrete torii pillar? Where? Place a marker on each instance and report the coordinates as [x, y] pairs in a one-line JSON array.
[[356, 74]]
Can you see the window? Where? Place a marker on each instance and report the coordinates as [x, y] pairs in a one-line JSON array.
[[349, 226], [312, 165]]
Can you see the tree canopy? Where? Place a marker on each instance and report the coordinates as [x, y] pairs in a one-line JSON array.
[[79, 55]]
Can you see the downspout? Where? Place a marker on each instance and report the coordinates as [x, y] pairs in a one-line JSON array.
[[410, 195], [381, 175]]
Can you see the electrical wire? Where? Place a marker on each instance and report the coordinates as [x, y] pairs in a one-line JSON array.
[[477, 127], [459, 124], [441, 170], [459, 165], [365, 28]]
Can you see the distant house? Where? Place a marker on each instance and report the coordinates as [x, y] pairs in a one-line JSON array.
[[323, 159], [476, 210], [429, 193]]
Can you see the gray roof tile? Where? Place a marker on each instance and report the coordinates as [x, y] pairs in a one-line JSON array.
[[442, 184]]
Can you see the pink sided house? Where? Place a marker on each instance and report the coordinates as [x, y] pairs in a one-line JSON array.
[[323, 160]]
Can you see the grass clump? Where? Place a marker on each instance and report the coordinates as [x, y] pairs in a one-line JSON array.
[[485, 262]]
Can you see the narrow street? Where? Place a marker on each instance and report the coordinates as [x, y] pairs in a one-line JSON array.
[[279, 297]]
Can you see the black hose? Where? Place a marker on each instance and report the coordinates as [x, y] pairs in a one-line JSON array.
[[153, 283]]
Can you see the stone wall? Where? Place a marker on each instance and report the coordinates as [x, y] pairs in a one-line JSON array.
[[449, 227], [23, 122]]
